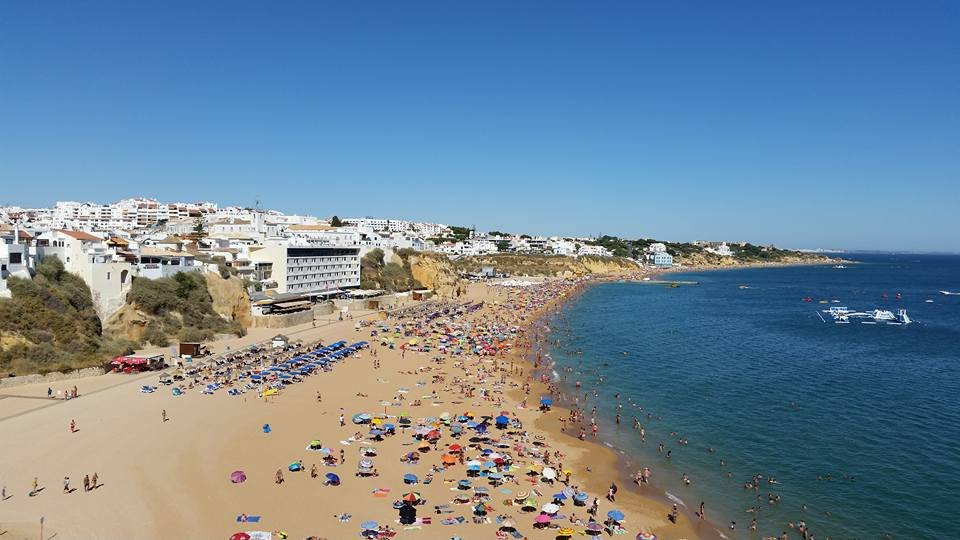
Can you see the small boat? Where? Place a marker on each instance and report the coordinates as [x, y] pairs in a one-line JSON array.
[[899, 296], [807, 299], [744, 287], [950, 293], [840, 266], [929, 301]]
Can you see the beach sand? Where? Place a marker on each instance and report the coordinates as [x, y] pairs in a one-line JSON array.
[[171, 479]]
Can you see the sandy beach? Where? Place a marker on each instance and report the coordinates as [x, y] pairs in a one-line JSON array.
[[163, 479]]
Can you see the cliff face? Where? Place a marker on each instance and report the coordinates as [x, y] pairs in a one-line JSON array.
[[546, 265], [710, 259], [128, 323], [435, 272], [225, 309], [230, 298]]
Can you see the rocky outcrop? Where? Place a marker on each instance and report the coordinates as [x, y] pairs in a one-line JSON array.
[[435, 272], [128, 323], [230, 298]]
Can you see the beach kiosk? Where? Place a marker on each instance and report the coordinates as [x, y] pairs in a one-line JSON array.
[[137, 363]]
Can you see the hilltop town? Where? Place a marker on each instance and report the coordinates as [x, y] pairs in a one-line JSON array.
[[142, 272]]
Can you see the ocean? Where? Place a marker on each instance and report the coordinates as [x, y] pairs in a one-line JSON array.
[[859, 424]]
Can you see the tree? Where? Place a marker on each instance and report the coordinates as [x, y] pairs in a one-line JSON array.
[[336, 222], [200, 227], [503, 245]]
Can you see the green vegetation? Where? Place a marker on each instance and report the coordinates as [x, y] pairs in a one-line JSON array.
[[619, 248], [457, 234], [180, 307], [376, 273], [336, 222], [50, 324], [516, 264]]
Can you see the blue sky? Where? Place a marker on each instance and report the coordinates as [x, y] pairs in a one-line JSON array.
[[806, 124]]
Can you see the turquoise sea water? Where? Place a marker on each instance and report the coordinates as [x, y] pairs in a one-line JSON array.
[[756, 374]]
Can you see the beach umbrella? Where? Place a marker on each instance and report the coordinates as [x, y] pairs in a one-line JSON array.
[[455, 448], [366, 463], [447, 459], [566, 531], [238, 477], [411, 497], [559, 496], [581, 496], [480, 509], [333, 478], [240, 536], [615, 515], [594, 528], [502, 420], [465, 484], [410, 479], [549, 473], [550, 508], [542, 518], [646, 536], [369, 525], [315, 444]]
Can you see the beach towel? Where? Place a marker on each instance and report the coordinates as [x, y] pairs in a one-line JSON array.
[[250, 519]]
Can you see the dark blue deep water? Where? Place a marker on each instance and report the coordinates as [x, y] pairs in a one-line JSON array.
[[756, 374]]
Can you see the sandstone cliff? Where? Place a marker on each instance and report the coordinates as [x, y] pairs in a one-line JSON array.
[[217, 305], [435, 272], [546, 265], [230, 298]]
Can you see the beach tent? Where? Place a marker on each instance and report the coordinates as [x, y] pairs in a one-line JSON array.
[[410, 479], [615, 515]]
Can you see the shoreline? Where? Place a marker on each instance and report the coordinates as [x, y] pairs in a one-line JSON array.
[[688, 523]]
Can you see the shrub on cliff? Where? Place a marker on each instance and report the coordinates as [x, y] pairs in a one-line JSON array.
[[179, 306], [54, 321]]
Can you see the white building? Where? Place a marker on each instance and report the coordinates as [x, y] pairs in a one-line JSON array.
[[599, 251], [722, 250], [107, 274], [16, 259], [307, 270]]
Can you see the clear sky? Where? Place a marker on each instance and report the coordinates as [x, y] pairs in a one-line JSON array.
[[806, 124]]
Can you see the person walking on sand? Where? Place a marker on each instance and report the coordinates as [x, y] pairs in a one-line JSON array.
[[36, 484], [94, 481], [342, 423], [702, 513], [278, 478], [163, 415], [66, 484], [86, 483]]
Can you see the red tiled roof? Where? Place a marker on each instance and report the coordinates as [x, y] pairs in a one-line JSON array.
[[80, 235]]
